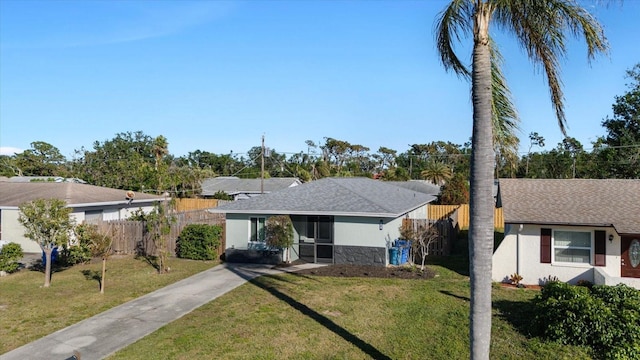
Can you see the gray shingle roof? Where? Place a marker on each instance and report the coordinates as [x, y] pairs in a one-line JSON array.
[[595, 202], [13, 194], [422, 186], [334, 196], [233, 185]]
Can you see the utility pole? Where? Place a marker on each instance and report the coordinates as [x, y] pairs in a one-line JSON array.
[[262, 167]]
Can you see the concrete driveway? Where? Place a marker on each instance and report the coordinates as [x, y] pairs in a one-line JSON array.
[[104, 334]]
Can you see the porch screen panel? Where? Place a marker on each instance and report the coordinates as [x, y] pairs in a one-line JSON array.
[[257, 229], [324, 230]]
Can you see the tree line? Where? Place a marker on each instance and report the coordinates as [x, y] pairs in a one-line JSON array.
[[139, 162]]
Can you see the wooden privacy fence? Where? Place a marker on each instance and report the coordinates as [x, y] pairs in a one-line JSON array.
[[131, 238], [438, 212], [446, 229], [196, 204]]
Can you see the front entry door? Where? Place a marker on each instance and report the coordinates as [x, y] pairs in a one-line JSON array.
[[317, 245], [630, 264]]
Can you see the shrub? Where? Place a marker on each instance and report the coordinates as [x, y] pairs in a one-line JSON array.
[[549, 279], [221, 195], [199, 242], [80, 252], [585, 283], [10, 255], [515, 279], [604, 318], [621, 334]]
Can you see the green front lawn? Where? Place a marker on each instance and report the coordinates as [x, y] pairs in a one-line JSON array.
[[28, 311], [287, 316], [308, 317]]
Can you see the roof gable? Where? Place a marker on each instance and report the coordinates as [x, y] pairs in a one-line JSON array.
[[334, 196], [235, 185], [594, 202]]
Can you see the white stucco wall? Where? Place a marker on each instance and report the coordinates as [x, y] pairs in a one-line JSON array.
[[365, 231], [237, 231], [13, 231], [520, 252]]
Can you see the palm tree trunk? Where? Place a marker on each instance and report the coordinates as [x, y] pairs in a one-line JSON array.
[[481, 188]]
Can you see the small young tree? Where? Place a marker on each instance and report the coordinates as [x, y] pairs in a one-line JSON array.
[[424, 237], [99, 244], [279, 233], [158, 223], [47, 222]]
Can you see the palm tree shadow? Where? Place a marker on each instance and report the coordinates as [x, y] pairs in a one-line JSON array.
[[460, 297], [319, 318], [455, 263], [151, 260], [93, 275], [517, 313]]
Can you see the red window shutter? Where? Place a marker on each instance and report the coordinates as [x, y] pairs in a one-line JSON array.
[[601, 248], [545, 246]]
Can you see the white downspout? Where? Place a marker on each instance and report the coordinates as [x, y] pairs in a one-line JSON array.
[[518, 249]]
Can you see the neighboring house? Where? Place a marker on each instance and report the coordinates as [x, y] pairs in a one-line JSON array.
[[89, 203], [43, 179], [242, 189], [575, 229], [336, 220]]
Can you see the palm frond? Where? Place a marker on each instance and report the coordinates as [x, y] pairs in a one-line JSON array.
[[505, 117], [504, 114], [540, 27], [454, 22]]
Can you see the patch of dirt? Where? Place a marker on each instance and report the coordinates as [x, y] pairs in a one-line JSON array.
[[523, 286], [368, 271]]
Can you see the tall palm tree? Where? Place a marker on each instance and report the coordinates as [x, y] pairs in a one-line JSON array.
[[541, 28], [160, 149], [437, 172]]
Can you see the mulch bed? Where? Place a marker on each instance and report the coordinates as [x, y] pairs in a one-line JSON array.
[[511, 286], [368, 271]]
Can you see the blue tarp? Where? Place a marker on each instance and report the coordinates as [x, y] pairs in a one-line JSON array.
[[54, 256], [404, 247]]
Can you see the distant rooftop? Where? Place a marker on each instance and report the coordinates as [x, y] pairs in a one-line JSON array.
[[58, 179]]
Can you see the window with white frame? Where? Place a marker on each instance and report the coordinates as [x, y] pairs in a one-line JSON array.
[[572, 246], [257, 229]]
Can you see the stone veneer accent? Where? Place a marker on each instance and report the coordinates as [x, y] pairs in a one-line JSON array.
[[360, 255]]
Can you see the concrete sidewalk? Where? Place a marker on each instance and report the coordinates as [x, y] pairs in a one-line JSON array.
[[99, 336]]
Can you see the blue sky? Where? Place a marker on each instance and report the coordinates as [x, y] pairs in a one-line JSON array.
[[216, 76]]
